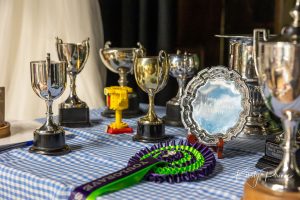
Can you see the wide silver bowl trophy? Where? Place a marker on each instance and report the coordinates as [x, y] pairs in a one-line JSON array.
[[278, 68], [120, 61], [48, 80], [73, 112], [182, 67], [4, 125]]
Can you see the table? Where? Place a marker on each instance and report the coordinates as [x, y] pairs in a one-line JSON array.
[[24, 175]]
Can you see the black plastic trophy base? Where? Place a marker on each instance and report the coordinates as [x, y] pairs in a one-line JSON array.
[[150, 133], [132, 111], [74, 117], [273, 155], [52, 144], [173, 115]]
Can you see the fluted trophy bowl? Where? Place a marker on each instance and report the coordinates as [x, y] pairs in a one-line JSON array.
[[182, 67], [75, 55], [278, 68], [48, 80], [151, 75], [119, 60]]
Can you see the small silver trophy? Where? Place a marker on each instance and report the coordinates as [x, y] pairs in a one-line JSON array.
[[120, 61], [182, 67], [48, 80], [278, 67], [73, 112]]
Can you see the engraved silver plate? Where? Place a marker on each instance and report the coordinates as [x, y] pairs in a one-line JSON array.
[[215, 104]]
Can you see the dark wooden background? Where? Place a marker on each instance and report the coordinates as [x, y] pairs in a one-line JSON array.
[[185, 24]]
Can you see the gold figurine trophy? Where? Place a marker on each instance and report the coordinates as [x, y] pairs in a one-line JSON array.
[[117, 99], [151, 75]]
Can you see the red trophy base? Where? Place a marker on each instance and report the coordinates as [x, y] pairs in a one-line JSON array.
[[119, 131], [256, 191]]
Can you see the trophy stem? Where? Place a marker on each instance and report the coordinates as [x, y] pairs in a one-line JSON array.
[[286, 177], [49, 114], [118, 116], [181, 83], [73, 86], [289, 149], [151, 112], [123, 76]]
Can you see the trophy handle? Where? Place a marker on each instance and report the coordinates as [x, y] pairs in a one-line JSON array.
[[162, 57], [86, 41], [256, 36], [87, 45], [107, 44], [138, 53], [58, 42], [141, 48], [164, 67]]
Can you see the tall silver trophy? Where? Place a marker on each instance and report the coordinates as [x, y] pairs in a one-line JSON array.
[[120, 61], [73, 112], [241, 60], [48, 80], [278, 69], [182, 66]]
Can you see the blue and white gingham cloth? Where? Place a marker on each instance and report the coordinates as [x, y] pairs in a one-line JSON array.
[[24, 175]]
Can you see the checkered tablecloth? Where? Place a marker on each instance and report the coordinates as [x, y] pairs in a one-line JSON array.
[[24, 175]]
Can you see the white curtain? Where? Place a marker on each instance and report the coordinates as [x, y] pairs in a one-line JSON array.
[[27, 32]]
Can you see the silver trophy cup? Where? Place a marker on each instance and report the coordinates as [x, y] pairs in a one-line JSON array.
[[241, 60], [278, 69], [73, 112], [48, 80], [182, 67], [120, 61]]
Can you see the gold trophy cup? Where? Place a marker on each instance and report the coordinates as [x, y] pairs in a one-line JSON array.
[[151, 75]]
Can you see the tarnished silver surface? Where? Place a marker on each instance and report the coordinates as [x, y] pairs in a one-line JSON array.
[[75, 55], [278, 67], [48, 80], [182, 67], [215, 104], [119, 60]]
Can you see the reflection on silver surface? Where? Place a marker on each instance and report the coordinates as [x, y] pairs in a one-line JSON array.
[[120, 60], [215, 104], [48, 80], [241, 59], [75, 55], [217, 101], [278, 67], [182, 67]]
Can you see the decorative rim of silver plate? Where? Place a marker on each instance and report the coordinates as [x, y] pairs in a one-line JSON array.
[[215, 72]]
